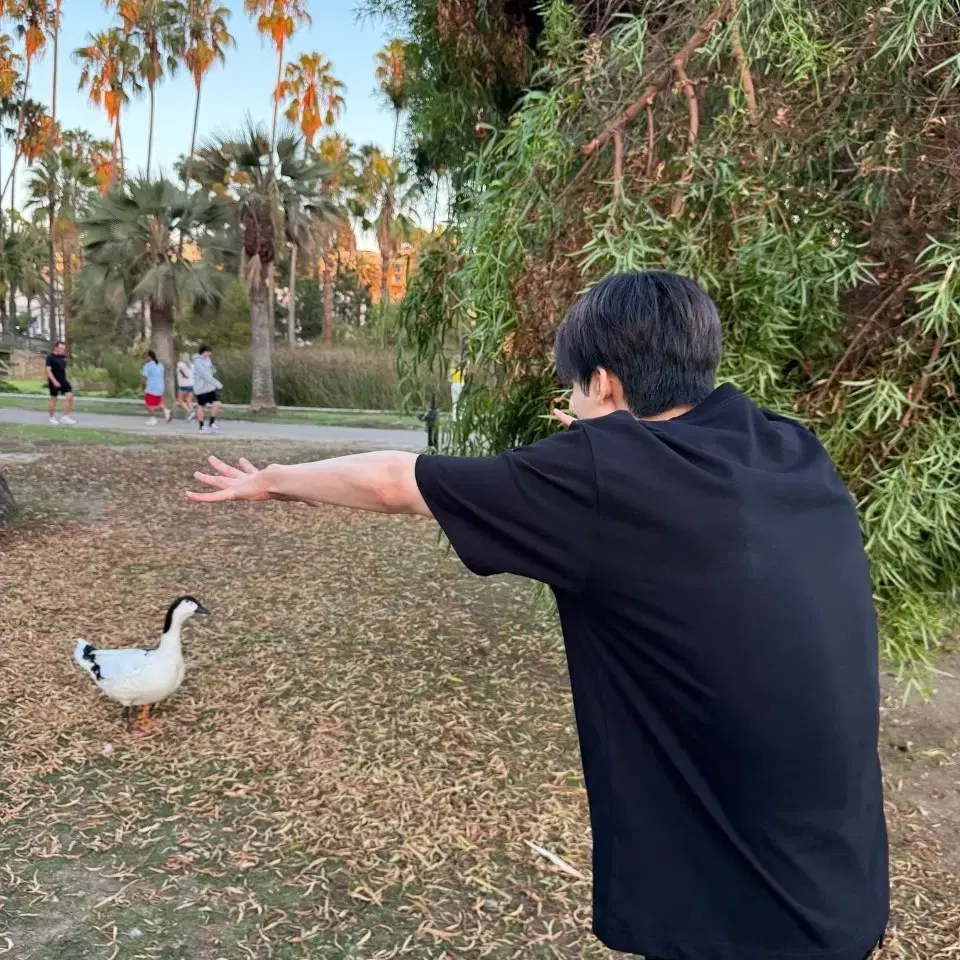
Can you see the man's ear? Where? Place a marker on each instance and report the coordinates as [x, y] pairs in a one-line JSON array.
[[602, 386]]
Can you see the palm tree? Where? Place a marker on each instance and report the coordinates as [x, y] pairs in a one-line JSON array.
[[60, 188], [156, 32], [260, 183], [391, 74], [207, 39], [21, 252], [132, 254], [10, 62], [312, 94], [277, 19], [384, 196], [55, 18], [32, 18], [108, 63], [330, 231]]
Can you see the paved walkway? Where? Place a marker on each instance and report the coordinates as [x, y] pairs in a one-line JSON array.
[[234, 429]]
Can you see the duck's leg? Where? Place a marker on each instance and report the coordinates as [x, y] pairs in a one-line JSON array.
[[144, 723]]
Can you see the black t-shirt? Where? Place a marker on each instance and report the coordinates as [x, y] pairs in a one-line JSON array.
[[722, 647], [58, 366]]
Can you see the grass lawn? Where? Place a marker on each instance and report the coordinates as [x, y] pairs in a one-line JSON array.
[[386, 421], [365, 740]]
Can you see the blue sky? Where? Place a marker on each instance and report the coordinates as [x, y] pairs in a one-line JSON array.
[[242, 86]]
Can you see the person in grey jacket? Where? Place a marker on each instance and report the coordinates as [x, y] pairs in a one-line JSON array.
[[207, 389]]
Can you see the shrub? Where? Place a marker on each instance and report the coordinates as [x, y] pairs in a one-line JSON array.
[[343, 377], [123, 373], [7, 387]]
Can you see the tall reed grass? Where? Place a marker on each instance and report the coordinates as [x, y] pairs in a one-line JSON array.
[[350, 378]]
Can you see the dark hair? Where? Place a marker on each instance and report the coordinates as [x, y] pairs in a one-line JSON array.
[[58, 343], [152, 356], [204, 349], [657, 332]]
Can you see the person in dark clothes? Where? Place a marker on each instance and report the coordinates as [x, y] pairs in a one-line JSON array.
[[58, 384], [720, 632]]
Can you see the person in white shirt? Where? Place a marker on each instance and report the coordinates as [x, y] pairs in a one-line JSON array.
[[185, 385]]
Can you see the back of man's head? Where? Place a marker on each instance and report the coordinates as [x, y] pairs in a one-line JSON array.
[[657, 332]]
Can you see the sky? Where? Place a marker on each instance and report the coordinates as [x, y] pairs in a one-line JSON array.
[[244, 85]]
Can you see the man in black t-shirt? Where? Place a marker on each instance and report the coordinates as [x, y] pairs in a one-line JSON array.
[[58, 384], [720, 633]]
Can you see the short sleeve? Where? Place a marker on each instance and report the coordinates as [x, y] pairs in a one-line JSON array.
[[530, 512]]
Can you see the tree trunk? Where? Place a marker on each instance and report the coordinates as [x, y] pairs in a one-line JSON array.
[[436, 200], [396, 130], [55, 156], [114, 157], [161, 315], [193, 140], [147, 321], [384, 275], [261, 336], [8, 506], [327, 299], [292, 309], [66, 309], [276, 104], [153, 103]]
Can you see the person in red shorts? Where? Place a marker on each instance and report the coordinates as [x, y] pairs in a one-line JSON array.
[[152, 381]]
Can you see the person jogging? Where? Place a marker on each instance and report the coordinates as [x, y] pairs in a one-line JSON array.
[[720, 633], [58, 384], [185, 385], [207, 388], [152, 383]]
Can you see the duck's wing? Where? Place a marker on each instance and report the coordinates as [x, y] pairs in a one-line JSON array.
[[112, 666]]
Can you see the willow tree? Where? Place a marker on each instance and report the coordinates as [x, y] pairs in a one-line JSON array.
[[802, 162]]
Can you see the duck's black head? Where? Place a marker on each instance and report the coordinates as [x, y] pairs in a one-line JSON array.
[[184, 607]]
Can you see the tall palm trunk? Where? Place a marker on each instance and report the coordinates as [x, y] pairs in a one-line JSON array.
[[55, 169], [66, 305], [292, 310], [153, 103], [188, 174], [384, 277], [396, 130], [327, 298], [276, 102], [13, 282], [161, 316], [261, 334]]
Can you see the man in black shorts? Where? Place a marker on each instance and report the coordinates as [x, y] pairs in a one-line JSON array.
[[719, 627], [207, 389], [58, 384]]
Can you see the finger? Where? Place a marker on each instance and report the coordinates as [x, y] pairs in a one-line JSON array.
[[221, 483], [222, 467], [564, 418], [216, 497], [246, 466]]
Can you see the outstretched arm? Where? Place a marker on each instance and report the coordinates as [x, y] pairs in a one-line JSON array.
[[379, 482]]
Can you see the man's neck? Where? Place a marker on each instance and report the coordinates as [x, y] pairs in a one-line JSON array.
[[671, 413]]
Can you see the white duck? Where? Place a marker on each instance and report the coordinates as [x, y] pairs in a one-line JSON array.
[[141, 678]]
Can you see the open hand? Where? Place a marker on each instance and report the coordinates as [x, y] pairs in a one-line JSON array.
[[230, 483]]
